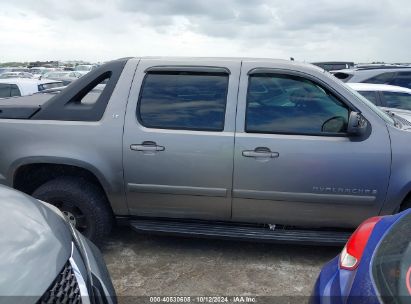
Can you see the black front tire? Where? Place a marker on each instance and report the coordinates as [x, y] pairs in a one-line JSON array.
[[84, 202]]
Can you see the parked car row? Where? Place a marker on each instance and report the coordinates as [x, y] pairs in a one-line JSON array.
[[15, 87], [66, 77], [396, 75], [47, 73], [383, 95]]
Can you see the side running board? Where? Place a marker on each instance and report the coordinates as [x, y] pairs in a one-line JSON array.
[[240, 232]]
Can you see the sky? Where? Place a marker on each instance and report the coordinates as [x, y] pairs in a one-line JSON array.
[[308, 30]]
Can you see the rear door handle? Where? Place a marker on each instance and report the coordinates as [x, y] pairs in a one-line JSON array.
[[261, 152], [147, 146]]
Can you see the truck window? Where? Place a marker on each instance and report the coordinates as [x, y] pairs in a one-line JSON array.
[[183, 100], [4, 90], [289, 104]]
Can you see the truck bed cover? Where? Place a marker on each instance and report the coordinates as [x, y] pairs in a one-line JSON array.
[[22, 107]]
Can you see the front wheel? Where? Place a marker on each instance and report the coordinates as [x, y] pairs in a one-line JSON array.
[[83, 203]]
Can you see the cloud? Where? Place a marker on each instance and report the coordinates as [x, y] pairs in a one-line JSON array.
[[307, 30]]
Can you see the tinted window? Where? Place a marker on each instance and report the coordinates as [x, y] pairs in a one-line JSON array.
[[383, 78], [397, 100], [290, 104], [190, 101], [402, 79], [371, 96], [4, 90], [15, 90], [391, 266]]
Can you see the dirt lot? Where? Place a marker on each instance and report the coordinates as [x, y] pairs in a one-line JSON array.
[[148, 265]]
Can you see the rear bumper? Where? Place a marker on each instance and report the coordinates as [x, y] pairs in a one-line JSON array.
[[327, 288]]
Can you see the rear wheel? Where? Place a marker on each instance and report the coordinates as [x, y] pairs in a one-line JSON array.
[[83, 203]]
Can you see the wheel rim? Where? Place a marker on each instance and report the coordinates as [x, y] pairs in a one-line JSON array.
[[74, 215]]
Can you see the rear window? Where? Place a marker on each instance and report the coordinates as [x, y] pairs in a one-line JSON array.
[[14, 90], [4, 90], [9, 90], [185, 101], [391, 267]]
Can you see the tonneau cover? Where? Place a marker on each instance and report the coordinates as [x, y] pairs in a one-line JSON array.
[[22, 107]]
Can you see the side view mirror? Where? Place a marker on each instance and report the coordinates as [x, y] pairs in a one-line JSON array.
[[357, 124]]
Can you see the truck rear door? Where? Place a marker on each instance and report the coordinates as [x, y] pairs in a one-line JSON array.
[[179, 138]]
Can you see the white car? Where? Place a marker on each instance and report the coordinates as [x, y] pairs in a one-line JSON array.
[[25, 86], [85, 68], [40, 71], [384, 95], [16, 75]]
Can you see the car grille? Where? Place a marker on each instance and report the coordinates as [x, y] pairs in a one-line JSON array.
[[64, 289]]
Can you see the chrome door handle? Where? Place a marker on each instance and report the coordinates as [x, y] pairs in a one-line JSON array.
[[260, 152], [147, 146]]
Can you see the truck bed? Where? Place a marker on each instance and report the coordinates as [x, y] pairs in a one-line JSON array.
[[22, 107]]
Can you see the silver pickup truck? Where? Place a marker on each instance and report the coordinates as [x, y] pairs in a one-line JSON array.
[[256, 149]]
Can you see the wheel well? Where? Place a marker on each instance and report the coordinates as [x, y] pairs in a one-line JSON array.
[[28, 178], [405, 201]]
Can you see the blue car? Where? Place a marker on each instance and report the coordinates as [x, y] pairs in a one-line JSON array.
[[373, 267]]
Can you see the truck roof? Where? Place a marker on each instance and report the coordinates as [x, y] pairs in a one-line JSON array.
[[283, 62]]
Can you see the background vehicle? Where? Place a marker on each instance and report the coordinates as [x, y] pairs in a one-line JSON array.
[[13, 69], [383, 95], [85, 68], [66, 77], [22, 86], [374, 266], [396, 75], [210, 147], [40, 71], [15, 75], [43, 259], [334, 65]]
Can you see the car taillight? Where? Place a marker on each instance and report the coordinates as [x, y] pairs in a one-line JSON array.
[[351, 255]]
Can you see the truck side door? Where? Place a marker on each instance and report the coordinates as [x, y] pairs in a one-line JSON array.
[[179, 138], [294, 163]]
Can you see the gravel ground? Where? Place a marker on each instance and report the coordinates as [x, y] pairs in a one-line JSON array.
[[148, 265]]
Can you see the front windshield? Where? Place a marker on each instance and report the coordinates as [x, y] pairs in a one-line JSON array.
[[384, 115]]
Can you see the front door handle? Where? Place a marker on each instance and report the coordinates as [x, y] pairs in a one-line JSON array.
[[261, 152], [147, 146]]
